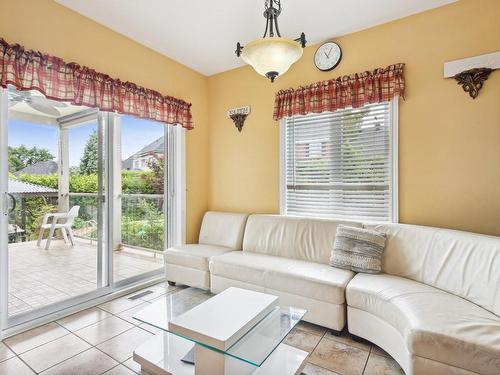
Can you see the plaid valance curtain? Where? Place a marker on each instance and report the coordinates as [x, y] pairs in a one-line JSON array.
[[355, 90], [79, 85]]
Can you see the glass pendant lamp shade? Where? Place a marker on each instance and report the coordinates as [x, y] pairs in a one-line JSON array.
[[272, 56]]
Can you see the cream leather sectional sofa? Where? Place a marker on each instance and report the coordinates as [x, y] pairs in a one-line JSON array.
[[435, 307]]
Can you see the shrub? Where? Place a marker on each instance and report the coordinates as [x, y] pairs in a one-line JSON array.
[[133, 182]]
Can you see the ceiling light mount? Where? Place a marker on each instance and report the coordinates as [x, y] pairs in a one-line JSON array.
[[272, 55]]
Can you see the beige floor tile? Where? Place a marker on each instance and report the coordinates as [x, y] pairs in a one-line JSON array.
[[338, 357], [120, 370], [380, 365], [54, 352], [118, 305], [83, 319], [35, 337], [89, 362], [311, 369], [302, 340], [5, 353], [104, 330], [311, 328], [132, 365], [122, 346], [346, 338], [379, 351], [14, 366], [128, 314]]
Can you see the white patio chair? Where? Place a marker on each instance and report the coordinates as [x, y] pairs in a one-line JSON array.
[[63, 222]]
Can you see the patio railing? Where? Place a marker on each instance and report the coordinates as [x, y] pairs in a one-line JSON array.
[[142, 222]]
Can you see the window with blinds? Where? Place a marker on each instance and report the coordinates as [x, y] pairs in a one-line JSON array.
[[340, 164]]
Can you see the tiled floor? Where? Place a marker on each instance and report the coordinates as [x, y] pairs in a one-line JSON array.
[[101, 340], [38, 277]]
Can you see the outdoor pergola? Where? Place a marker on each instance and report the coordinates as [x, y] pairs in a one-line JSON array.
[[21, 191]]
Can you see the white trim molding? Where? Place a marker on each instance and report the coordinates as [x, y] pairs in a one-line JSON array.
[[489, 60]]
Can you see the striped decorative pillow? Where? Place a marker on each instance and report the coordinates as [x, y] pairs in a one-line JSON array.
[[357, 249]]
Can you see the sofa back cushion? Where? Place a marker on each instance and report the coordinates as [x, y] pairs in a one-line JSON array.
[[223, 229], [461, 263], [292, 237]]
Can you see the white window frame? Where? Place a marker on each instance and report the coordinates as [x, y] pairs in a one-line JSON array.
[[394, 155]]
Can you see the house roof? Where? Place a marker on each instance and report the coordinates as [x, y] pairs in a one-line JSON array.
[[156, 146], [26, 188], [42, 167]]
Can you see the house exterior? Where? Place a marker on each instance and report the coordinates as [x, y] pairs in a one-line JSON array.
[[139, 161]]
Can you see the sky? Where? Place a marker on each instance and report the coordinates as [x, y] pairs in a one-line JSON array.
[[136, 133]]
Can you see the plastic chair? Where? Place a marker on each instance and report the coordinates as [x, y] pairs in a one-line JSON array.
[[63, 222]]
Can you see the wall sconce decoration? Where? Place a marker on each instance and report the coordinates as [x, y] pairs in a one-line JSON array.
[[472, 72], [239, 115], [472, 80]]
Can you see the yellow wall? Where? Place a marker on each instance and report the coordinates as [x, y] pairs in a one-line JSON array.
[[449, 144], [449, 148], [46, 26]]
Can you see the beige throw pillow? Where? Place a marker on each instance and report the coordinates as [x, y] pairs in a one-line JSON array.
[[357, 249]]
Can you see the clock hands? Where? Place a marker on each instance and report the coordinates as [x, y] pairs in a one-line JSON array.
[[328, 54]]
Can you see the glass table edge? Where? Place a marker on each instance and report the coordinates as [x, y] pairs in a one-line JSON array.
[[297, 310]]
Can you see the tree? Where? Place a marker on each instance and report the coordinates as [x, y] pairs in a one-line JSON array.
[[20, 157], [88, 162], [156, 177]]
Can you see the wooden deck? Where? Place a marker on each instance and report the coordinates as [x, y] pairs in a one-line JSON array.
[[38, 277]]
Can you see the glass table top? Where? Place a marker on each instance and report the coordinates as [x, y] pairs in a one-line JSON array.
[[254, 347]]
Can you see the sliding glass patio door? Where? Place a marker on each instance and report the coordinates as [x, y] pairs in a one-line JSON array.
[[53, 243], [87, 201]]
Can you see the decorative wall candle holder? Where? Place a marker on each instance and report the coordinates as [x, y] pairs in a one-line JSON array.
[[239, 115]]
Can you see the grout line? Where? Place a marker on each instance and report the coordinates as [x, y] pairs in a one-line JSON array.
[[367, 358], [123, 364], [37, 346], [110, 369], [67, 359], [23, 361]]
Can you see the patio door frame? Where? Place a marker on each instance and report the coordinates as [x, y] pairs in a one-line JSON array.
[[174, 195], [103, 285], [106, 287], [4, 211]]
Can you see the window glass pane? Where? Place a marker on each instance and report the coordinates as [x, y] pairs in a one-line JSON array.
[[339, 164], [140, 239]]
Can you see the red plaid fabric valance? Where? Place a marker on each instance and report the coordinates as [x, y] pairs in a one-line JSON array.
[[79, 85], [349, 91]]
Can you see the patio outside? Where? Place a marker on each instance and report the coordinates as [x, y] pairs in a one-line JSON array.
[[39, 277]]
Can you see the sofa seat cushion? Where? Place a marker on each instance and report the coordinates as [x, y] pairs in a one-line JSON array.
[[435, 324], [307, 279], [193, 256], [238, 265]]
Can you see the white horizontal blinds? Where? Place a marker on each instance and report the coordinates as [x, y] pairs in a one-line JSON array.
[[338, 164]]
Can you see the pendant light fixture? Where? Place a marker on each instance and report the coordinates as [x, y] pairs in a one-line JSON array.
[[272, 55]]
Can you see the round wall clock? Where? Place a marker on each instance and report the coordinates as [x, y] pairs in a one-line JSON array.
[[327, 56]]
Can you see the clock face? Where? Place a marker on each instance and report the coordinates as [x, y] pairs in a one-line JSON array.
[[327, 56]]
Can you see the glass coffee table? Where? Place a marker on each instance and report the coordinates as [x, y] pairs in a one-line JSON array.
[[236, 332]]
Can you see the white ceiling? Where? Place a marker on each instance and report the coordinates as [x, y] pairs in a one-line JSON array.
[[202, 34]]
